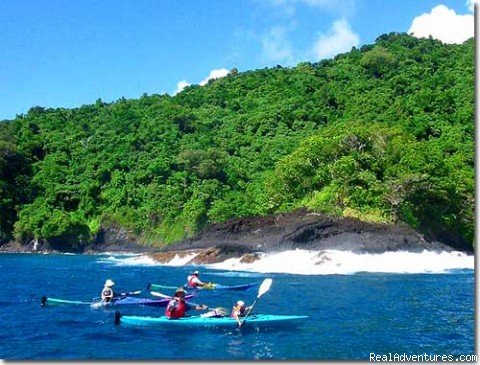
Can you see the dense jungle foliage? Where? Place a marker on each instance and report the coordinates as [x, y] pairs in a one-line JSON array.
[[384, 133]]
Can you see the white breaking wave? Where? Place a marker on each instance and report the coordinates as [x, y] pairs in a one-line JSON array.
[[235, 274], [181, 260], [130, 260], [144, 260], [327, 262]]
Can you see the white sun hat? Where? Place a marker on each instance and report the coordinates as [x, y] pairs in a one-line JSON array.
[[109, 283]]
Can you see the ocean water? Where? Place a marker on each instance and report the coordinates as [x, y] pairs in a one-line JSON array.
[[352, 312]]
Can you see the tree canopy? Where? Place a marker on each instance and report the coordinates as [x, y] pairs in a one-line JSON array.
[[383, 133]]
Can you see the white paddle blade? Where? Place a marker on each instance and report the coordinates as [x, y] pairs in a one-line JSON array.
[[157, 294], [264, 287]]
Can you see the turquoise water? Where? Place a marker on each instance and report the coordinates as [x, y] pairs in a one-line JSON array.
[[351, 316]]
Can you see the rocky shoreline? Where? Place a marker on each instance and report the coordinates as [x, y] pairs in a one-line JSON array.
[[247, 238]]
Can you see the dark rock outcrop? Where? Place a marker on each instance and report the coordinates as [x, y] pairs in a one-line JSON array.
[[246, 237]]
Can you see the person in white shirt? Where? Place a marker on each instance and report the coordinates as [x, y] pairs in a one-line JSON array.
[[107, 291]]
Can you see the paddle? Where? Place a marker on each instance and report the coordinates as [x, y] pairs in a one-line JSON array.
[[208, 286], [136, 292], [264, 287], [122, 295], [157, 294], [165, 296]]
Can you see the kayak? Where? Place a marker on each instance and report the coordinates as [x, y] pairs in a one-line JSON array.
[[123, 301], [132, 301], [230, 287], [255, 320], [210, 286], [56, 301]]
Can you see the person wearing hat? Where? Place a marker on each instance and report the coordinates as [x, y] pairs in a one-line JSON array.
[[193, 281], [107, 292], [239, 310], [178, 306]]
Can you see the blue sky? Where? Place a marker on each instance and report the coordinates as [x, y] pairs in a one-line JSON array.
[[65, 53]]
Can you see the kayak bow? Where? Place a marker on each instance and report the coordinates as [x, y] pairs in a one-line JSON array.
[[54, 301]]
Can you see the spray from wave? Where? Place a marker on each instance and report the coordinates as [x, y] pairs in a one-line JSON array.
[[144, 260], [130, 260], [327, 262]]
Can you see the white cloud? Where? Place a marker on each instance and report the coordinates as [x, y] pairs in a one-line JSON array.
[[180, 86], [443, 24], [276, 47], [340, 38], [215, 74]]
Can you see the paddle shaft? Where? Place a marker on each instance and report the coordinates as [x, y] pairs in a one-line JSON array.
[[248, 312], [264, 287], [121, 295], [157, 294]]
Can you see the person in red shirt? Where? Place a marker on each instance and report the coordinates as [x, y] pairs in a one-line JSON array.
[[193, 280], [178, 306]]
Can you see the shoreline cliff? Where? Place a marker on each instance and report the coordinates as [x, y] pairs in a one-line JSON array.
[[246, 238]]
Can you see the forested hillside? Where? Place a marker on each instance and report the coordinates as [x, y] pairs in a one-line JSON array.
[[384, 133]]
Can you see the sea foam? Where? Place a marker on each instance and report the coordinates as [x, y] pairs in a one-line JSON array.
[[305, 262], [128, 260], [326, 262]]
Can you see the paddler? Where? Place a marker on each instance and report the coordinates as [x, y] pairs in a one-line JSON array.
[[193, 280], [107, 291], [177, 307], [239, 310]]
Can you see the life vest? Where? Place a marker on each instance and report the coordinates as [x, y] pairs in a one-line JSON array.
[[190, 281], [240, 310], [107, 294], [176, 309]]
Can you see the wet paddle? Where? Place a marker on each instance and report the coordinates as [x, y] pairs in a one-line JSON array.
[[264, 287], [122, 295], [165, 296], [136, 292], [157, 294]]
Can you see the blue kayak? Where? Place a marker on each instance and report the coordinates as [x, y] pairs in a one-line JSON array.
[[255, 320], [229, 287], [132, 301], [209, 286], [122, 301]]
